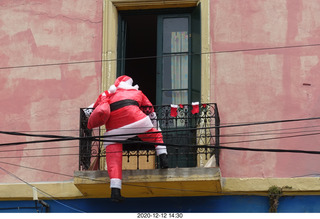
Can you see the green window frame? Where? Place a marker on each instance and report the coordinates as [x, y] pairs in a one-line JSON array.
[[192, 55], [182, 52], [173, 65], [190, 50]]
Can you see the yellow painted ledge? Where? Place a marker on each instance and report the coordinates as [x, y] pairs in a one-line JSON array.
[[260, 186], [172, 182], [21, 191]]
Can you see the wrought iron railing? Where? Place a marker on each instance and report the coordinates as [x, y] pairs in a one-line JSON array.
[[189, 137]]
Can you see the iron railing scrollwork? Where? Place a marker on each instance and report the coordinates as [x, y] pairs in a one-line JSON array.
[[189, 137]]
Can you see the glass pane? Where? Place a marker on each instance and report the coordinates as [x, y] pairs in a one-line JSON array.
[[175, 35], [174, 97], [175, 72], [175, 62]]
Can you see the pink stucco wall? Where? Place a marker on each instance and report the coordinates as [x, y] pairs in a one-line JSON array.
[[267, 84], [46, 99], [248, 86]]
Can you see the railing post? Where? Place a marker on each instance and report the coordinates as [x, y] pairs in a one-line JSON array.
[[217, 133], [80, 135]]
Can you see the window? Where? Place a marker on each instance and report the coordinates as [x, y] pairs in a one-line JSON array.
[[160, 50], [174, 52]]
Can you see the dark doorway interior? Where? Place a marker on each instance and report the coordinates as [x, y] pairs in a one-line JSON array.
[[141, 50]]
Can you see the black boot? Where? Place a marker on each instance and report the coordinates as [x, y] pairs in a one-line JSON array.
[[116, 195], [163, 161]]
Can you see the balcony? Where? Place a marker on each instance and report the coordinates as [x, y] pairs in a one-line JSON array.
[[193, 162]]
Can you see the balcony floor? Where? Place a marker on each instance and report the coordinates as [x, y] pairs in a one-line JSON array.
[[170, 182]]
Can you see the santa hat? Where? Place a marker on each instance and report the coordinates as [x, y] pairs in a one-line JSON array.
[[124, 82]]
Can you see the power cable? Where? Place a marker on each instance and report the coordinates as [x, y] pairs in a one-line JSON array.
[[236, 134], [35, 142], [153, 143], [42, 192], [174, 145], [152, 57], [274, 138], [244, 134], [37, 169], [68, 138], [35, 149], [63, 138], [222, 124], [133, 184], [265, 132], [33, 135]]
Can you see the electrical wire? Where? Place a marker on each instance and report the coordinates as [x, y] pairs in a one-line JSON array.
[[153, 57], [133, 184], [38, 156], [243, 134], [35, 149], [221, 146], [260, 133], [37, 169], [274, 138], [77, 130], [144, 142], [68, 138], [175, 145], [177, 138], [42, 192], [237, 134]]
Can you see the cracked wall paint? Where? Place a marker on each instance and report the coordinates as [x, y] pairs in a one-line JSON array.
[[266, 83], [38, 93]]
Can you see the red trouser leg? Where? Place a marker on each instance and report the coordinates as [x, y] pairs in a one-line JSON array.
[[154, 138], [114, 164]]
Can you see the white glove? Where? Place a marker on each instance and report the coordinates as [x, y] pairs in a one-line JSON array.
[[153, 118], [88, 111]]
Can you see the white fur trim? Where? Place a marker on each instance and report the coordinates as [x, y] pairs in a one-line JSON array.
[[195, 103], [174, 106], [153, 115], [125, 85], [129, 81], [133, 129], [115, 183], [112, 89], [161, 149]]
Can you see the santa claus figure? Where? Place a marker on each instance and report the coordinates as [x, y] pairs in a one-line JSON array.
[[119, 109]]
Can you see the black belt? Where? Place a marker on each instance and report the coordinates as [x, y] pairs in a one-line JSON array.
[[122, 103]]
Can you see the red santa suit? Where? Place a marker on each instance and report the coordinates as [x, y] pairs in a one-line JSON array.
[[126, 120], [100, 115]]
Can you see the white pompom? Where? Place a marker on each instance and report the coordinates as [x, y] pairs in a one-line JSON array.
[[112, 89]]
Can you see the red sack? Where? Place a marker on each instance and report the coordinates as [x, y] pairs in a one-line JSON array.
[[99, 116]]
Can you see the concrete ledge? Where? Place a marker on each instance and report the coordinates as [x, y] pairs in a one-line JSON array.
[[161, 183], [260, 186], [152, 183]]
